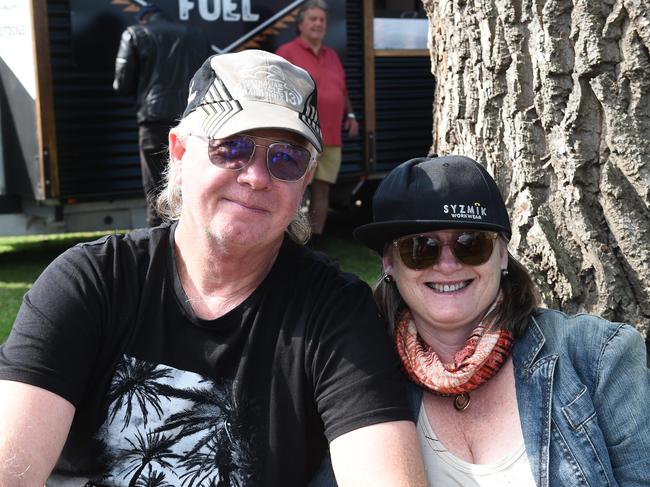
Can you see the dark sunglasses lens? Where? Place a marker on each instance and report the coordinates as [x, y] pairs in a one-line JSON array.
[[232, 153], [474, 248], [418, 252], [287, 162], [421, 251]]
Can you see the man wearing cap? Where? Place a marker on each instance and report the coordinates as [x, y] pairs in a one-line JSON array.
[[213, 349], [334, 107], [155, 62]]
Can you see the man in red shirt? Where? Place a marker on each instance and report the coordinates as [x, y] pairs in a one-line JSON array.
[[323, 64]]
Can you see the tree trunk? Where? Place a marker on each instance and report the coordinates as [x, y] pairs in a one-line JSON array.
[[553, 96]]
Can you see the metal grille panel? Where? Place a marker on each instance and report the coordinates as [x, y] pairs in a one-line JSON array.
[[353, 152], [404, 90], [97, 136]]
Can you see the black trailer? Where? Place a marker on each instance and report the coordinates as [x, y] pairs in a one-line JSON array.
[[69, 151]]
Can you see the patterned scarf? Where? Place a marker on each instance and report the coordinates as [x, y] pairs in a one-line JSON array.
[[478, 361]]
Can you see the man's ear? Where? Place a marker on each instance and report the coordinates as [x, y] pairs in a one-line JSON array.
[[310, 174], [176, 153]]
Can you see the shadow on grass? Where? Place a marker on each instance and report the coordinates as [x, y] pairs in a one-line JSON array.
[[351, 255], [44, 243]]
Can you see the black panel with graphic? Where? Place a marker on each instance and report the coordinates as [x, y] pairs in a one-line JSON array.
[[97, 134]]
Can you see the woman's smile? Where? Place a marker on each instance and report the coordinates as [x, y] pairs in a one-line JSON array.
[[448, 287]]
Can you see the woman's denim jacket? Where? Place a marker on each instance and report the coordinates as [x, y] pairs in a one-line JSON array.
[[583, 392]]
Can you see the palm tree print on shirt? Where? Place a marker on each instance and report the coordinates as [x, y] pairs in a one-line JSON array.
[[224, 442], [152, 448], [193, 430], [153, 478], [136, 380]]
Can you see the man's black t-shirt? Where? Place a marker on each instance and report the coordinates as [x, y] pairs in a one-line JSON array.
[[250, 398]]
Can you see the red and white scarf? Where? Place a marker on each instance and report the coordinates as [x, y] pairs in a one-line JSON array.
[[478, 361]]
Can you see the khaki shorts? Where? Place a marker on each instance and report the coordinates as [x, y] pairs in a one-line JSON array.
[[329, 163]]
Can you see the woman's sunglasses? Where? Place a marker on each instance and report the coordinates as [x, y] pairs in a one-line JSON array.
[[421, 251], [284, 161]]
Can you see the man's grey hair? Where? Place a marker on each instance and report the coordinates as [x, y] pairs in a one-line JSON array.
[[321, 4], [169, 202]]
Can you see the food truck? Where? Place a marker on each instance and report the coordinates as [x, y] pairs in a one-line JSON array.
[[69, 156]]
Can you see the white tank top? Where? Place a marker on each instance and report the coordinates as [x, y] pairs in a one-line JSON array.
[[447, 470]]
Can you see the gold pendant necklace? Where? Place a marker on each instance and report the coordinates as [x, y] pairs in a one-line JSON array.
[[461, 401]]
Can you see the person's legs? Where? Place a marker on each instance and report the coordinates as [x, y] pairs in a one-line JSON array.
[[329, 163], [153, 160]]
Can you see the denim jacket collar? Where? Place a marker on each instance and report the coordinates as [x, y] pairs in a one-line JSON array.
[[527, 347], [534, 373]]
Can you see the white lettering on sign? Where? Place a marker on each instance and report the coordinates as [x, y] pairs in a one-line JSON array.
[[246, 12], [210, 14], [12, 30], [184, 8], [16, 39], [229, 11], [211, 10]]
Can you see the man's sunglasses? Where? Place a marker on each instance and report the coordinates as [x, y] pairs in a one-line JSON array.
[[421, 251], [284, 161]]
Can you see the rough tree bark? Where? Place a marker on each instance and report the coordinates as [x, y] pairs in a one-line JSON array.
[[553, 96]]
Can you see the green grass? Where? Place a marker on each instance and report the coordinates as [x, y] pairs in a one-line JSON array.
[[22, 259], [353, 257]]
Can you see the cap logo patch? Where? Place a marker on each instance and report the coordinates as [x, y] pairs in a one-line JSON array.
[[269, 84], [193, 92], [465, 212], [309, 116], [219, 106]]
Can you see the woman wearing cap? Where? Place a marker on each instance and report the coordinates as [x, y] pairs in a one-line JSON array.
[[504, 393]]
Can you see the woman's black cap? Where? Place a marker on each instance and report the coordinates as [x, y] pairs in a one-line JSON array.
[[438, 193]]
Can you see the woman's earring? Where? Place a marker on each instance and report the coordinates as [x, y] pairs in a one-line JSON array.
[[388, 279], [504, 272]]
